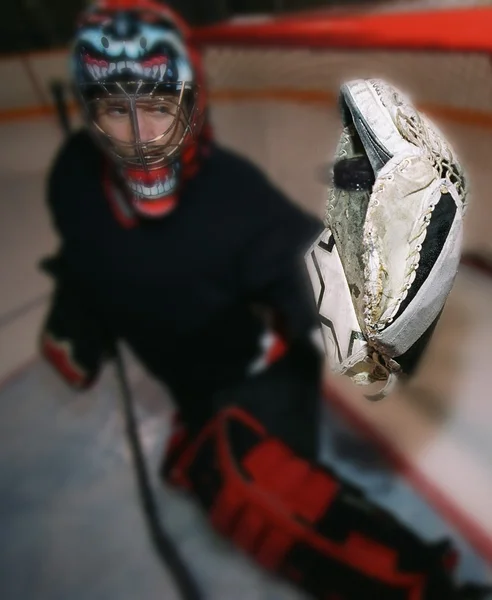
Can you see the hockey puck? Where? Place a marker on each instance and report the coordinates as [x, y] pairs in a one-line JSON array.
[[354, 174]]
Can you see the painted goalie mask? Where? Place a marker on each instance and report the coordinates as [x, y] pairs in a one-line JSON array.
[[139, 83]]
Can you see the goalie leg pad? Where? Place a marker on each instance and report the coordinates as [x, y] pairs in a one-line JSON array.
[[299, 520]]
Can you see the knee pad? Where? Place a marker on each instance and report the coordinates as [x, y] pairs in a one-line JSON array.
[[299, 520]]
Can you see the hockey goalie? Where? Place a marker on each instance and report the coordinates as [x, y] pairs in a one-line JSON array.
[[187, 253]]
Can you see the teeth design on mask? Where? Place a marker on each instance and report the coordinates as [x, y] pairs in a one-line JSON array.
[[141, 69], [155, 191]]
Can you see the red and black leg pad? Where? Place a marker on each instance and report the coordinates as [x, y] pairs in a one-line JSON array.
[[299, 520]]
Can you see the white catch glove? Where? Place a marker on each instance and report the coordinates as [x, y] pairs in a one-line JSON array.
[[386, 262]]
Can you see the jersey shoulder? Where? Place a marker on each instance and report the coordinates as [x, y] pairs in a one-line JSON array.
[[234, 165], [78, 156], [257, 197], [74, 182]]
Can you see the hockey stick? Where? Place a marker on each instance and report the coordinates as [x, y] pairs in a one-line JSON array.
[[163, 544]]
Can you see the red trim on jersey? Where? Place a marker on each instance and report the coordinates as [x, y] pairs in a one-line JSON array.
[[277, 350]]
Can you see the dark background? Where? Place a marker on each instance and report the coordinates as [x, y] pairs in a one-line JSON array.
[[28, 25]]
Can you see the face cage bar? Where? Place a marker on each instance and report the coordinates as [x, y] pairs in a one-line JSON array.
[[144, 152]]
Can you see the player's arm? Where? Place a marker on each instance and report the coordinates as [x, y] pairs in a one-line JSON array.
[[275, 274], [73, 338]]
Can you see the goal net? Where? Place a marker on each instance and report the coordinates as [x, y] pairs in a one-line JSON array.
[[273, 84]]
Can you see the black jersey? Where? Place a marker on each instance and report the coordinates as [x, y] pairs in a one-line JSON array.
[[184, 291]]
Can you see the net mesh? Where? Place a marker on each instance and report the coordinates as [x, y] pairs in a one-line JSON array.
[[278, 107]]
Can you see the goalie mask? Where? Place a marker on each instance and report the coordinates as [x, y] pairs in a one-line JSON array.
[[386, 262], [139, 83]]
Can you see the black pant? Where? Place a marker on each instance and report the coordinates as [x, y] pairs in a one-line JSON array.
[[285, 398]]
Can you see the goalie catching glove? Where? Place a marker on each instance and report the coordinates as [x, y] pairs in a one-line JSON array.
[[386, 262]]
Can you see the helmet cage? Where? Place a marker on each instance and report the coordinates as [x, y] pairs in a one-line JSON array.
[[136, 152]]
